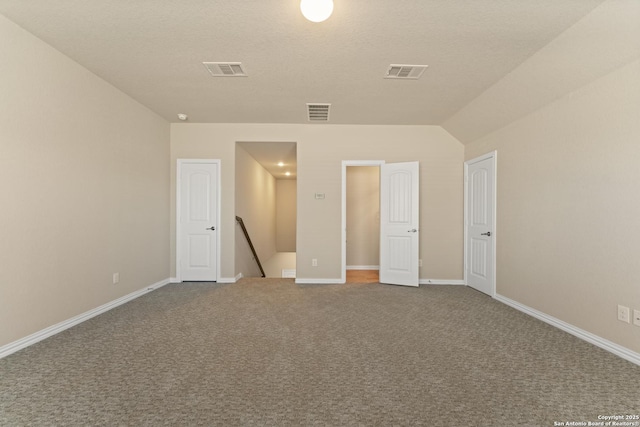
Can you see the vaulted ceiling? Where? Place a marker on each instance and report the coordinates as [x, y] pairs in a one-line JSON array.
[[154, 50]]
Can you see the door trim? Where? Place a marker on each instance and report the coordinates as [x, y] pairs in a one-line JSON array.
[[343, 229], [180, 163], [494, 155]]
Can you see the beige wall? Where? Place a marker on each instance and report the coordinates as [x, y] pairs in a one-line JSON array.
[[321, 150], [84, 176], [568, 206], [286, 214], [363, 216], [255, 199], [603, 41]]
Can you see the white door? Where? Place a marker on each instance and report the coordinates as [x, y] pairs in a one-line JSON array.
[[480, 223], [198, 220], [399, 220]]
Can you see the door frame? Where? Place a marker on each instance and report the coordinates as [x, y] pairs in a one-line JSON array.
[[343, 234], [180, 163], [494, 155]]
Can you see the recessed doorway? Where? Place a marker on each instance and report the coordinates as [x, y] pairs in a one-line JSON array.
[[266, 201], [361, 219]]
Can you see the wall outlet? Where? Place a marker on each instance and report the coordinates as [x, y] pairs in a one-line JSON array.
[[419, 263], [636, 317], [314, 262], [116, 278], [623, 313]]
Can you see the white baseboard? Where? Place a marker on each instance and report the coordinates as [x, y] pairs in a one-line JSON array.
[[174, 280], [11, 348], [340, 281], [289, 273], [230, 279], [363, 267], [604, 344], [441, 282], [319, 281]]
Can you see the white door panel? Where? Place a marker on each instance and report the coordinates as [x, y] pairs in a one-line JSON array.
[[480, 233], [198, 251], [198, 207], [399, 219]]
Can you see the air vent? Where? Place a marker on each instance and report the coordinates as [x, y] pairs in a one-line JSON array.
[[318, 112], [225, 69], [411, 72]]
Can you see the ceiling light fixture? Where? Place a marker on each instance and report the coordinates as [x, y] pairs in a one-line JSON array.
[[280, 164], [316, 10]]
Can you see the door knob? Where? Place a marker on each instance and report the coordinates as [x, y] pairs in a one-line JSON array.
[[488, 233], [413, 230], [212, 228]]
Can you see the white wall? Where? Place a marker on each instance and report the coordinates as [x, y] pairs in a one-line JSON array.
[[84, 176], [363, 216], [568, 206], [321, 150]]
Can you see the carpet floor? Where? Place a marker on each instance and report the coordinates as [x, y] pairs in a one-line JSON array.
[[268, 352]]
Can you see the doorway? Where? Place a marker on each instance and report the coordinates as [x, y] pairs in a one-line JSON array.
[[362, 224], [266, 200], [361, 221], [398, 232]]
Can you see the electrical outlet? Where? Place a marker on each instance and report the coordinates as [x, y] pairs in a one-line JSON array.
[[314, 262], [116, 278], [636, 317], [419, 263], [623, 313]]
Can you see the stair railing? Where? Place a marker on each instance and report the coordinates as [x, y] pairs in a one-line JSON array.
[[253, 250]]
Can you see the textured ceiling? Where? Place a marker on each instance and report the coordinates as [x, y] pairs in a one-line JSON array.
[[153, 50], [271, 154]]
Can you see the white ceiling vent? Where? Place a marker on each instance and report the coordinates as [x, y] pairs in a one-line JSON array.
[[318, 112], [399, 71], [225, 69]]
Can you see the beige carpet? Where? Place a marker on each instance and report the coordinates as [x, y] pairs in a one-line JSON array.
[[267, 352]]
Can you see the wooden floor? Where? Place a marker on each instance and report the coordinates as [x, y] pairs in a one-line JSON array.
[[362, 276]]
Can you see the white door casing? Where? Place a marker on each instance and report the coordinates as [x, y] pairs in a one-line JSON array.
[[480, 230], [399, 222], [197, 220]]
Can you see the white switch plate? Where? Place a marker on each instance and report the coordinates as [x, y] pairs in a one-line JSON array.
[[623, 314], [636, 317]]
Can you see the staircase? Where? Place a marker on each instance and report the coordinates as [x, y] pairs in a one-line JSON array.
[[253, 250]]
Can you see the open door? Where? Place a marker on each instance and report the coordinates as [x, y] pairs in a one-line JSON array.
[[480, 206], [399, 221]]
